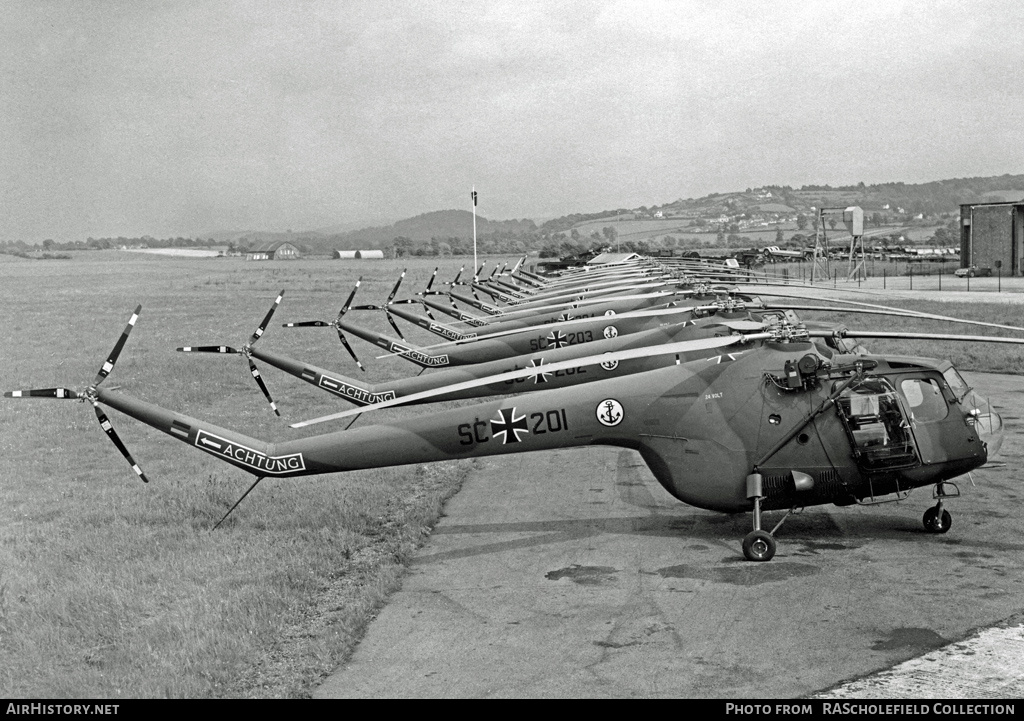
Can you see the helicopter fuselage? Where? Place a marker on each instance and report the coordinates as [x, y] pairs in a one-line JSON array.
[[833, 430]]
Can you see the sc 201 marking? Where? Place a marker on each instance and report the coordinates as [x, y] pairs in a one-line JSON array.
[[511, 428]]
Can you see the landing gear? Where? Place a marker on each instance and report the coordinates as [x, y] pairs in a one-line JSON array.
[[937, 519], [759, 546]]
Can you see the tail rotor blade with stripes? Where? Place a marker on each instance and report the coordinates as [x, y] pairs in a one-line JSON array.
[[112, 435], [263, 326], [112, 358], [307, 324], [263, 386], [344, 342], [209, 349], [44, 393]]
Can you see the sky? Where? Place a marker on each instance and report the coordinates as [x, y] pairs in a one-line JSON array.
[[181, 118]]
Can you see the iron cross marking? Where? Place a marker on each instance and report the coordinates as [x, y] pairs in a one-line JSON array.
[[509, 426], [541, 377], [557, 339]]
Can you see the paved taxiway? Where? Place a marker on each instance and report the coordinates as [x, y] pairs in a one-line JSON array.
[[573, 574]]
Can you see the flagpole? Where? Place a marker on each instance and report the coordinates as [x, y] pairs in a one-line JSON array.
[[474, 231]]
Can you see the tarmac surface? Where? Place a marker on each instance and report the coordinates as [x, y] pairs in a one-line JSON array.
[[573, 574]]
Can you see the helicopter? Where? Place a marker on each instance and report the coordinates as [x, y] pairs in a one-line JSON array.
[[670, 325], [780, 427]]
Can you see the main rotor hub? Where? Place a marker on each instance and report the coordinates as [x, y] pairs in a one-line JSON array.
[[783, 331]]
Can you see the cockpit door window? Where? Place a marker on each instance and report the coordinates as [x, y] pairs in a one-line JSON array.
[[925, 400]]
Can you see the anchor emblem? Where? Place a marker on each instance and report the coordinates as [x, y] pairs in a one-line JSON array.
[[609, 412]]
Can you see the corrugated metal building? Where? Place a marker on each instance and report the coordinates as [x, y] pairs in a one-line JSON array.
[[992, 236], [358, 254]]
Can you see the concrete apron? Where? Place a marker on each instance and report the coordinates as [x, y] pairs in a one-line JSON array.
[[573, 574]]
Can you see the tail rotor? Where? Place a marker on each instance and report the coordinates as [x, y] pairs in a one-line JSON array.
[[387, 303], [245, 351], [90, 395], [335, 324]]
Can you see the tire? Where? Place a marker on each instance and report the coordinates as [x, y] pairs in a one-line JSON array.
[[759, 546], [933, 523]]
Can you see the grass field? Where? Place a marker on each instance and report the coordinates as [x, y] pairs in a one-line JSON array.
[[111, 588]]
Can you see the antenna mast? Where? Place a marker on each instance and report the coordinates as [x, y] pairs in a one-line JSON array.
[[473, 195]]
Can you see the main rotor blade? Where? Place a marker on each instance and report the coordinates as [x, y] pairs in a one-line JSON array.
[[263, 326], [644, 352], [109, 430], [263, 386], [112, 358], [62, 393], [914, 336], [885, 310]]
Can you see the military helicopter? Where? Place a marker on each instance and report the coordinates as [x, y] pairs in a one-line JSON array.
[[780, 427], [497, 353]]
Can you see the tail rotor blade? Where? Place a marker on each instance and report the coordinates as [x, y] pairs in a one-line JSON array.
[[344, 342], [44, 393], [263, 326], [112, 435], [427, 291], [263, 386], [209, 349], [348, 303], [307, 324], [112, 358], [391, 320], [394, 291]]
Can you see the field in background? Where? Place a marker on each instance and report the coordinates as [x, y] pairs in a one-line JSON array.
[[110, 588]]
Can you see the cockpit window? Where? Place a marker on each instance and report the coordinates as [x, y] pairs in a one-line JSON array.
[[956, 382], [924, 397]]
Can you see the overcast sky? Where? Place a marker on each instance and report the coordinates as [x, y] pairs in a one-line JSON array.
[[181, 118]]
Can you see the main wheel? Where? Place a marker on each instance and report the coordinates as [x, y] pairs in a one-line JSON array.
[[759, 546], [936, 523]]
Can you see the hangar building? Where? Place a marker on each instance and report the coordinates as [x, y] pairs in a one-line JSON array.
[[280, 250], [992, 236]]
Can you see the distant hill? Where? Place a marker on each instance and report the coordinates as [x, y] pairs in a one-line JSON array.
[[768, 207], [442, 225]]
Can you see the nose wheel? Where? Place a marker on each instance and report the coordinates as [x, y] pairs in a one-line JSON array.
[[937, 519]]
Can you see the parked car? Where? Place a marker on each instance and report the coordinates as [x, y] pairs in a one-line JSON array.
[[972, 272]]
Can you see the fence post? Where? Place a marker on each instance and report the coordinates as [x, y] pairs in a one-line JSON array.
[[940, 277], [910, 269], [883, 278]]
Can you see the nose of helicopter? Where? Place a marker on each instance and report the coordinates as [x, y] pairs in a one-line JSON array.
[[987, 423]]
